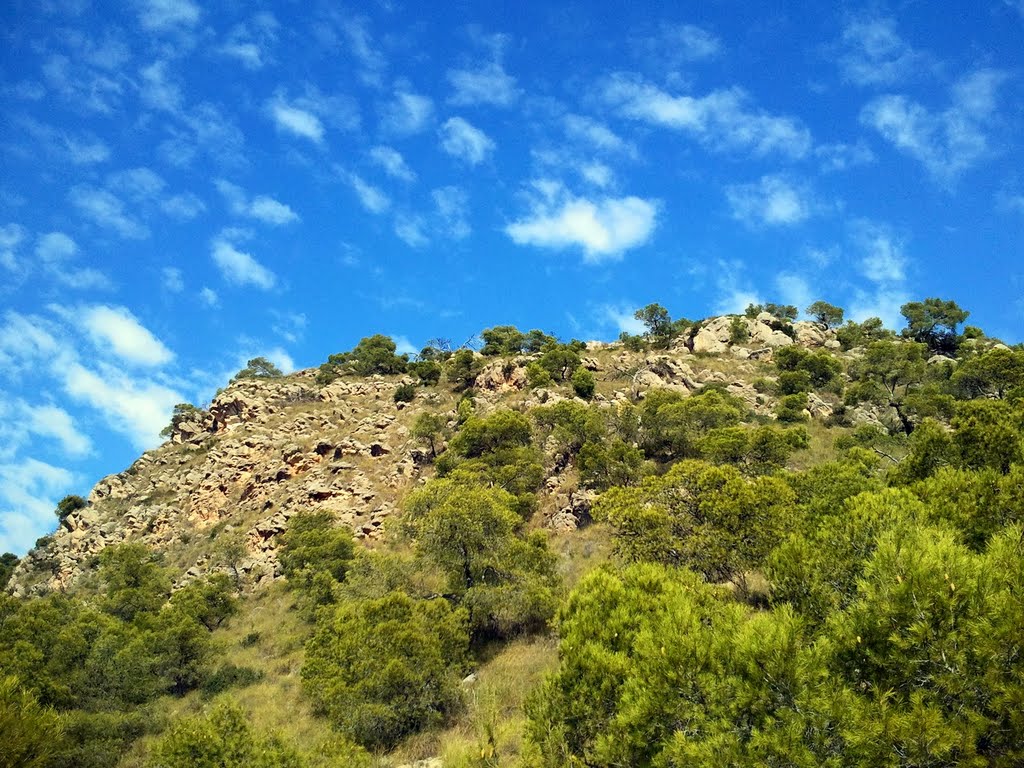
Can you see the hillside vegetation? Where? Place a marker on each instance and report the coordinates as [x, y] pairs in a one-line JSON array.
[[743, 541]]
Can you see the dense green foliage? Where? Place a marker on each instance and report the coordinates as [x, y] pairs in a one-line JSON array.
[[372, 355], [383, 668]]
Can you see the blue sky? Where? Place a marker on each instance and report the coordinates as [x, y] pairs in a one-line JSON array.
[[184, 187]]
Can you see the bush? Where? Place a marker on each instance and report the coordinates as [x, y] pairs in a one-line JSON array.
[[404, 393], [738, 331], [583, 383], [382, 669], [791, 408]]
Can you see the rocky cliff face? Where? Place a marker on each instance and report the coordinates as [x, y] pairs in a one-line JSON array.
[[216, 495]]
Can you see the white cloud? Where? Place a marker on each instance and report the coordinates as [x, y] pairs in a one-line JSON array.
[[29, 491], [55, 248], [116, 330], [882, 302], [183, 206], [452, 205], [734, 293], [238, 267], [107, 210], [289, 325], [271, 211], [139, 184], [51, 421], [410, 230], [209, 297], [883, 260], [875, 54], [86, 151], [158, 90], [172, 279], [487, 84], [393, 163], [721, 120], [604, 228], [407, 113], [371, 198], [678, 44], [250, 42], [162, 15], [262, 207], [11, 237], [947, 143], [55, 251], [296, 121], [841, 157], [460, 139], [26, 342], [773, 201], [623, 318], [597, 134], [137, 408], [361, 44], [598, 174]]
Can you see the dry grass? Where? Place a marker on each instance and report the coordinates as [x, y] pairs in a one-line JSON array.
[[493, 722]]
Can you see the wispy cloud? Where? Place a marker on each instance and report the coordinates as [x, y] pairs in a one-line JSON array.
[[883, 261], [486, 84], [250, 42], [597, 134], [262, 207], [774, 200], [462, 140], [873, 53], [411, 229], [159, 90], [11, 238], [137, 408], [237, 266], [163, 15], [391, 160], [370, 197], [452, 205], [949, 142], [676, 44], [722, 120], [622, 317], [841, 157], [184, 206], [407, 113], [29, 491], [172, 279], [106, 209], [56, 253], [296, 121], [372, 63], [604, 228]]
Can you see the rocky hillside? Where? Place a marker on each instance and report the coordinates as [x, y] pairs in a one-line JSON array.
[[216, 495]]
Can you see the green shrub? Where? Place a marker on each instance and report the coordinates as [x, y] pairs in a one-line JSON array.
[[382, 669], [404, 393], [791, 408], [583, 383]]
